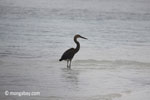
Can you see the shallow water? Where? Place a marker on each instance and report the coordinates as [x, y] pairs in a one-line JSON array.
[[113, 64]]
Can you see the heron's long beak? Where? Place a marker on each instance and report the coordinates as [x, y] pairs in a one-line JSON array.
[[83, 37]]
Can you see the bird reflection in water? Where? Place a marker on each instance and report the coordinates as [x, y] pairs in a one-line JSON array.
[[70, 77]]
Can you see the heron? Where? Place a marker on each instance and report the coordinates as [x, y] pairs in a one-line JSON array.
[[69, 54]]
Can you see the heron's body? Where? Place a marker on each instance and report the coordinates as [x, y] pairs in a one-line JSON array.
[[69, 54]]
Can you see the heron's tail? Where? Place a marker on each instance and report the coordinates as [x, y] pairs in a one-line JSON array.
[[60, 59]]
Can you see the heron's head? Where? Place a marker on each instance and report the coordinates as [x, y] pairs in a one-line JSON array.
[[79, 36]]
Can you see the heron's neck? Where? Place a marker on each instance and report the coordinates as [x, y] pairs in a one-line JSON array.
[[78, 45]]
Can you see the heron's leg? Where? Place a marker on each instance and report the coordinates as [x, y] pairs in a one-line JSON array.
[[67, 63], [70, 64]]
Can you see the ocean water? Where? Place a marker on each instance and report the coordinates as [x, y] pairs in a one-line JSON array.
[[113, 64]]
